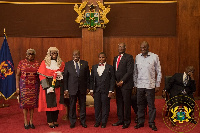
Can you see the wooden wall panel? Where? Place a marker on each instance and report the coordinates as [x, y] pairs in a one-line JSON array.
[[18, 47], [188, 36]]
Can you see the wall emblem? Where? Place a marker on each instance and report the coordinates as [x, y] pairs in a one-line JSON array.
[[92, 18], [181, 114], [5, 70]]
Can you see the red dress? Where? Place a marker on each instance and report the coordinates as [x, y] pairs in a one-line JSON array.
[[29, 84], [43, 73]]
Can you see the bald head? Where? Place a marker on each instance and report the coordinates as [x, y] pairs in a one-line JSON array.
[[144, 47], [121, 48]]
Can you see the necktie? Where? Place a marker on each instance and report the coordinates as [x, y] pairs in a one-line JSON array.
[[118, 60], [185, 81], [77, 68], [101, 64]]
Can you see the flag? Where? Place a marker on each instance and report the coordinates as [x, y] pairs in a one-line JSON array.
[[7, 73]]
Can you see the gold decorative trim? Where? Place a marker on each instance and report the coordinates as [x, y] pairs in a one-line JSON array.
[[8, 97], [38, 3], [68, 3], [141, 2]]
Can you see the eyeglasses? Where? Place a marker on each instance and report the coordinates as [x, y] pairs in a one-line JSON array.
[[31, 53], [54, 53]]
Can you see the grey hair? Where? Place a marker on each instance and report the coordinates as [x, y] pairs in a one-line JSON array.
[[47, 59], [30, 49]]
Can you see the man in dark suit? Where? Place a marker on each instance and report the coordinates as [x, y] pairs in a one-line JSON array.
[[181, 88], [123, 66], [76, 82], [102, 83]]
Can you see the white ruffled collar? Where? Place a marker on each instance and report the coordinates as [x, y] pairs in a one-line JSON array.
[[53, 65]]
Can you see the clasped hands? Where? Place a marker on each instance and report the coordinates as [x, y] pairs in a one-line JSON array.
[[50, 89], [59, 75]]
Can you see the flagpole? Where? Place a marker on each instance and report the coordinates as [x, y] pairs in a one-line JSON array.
[[4, 104]]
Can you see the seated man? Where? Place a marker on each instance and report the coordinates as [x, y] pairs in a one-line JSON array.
[[181, 88]]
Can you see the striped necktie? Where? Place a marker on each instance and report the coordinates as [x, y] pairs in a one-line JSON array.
[[77, 68]]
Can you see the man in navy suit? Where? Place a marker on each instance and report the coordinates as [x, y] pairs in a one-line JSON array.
[[123, 66], [181, 88], [76, 83], [102, 83]]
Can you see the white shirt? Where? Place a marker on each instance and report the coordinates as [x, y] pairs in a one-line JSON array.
[[117, 60], [145, 70], [100, 69]]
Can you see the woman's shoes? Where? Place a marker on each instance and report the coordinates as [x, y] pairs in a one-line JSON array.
[[32, 126], [26, 126]]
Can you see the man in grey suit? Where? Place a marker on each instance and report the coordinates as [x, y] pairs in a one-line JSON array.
[[76, 83], [123, 66]]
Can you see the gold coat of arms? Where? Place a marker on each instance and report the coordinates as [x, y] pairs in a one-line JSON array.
[[92, 19]]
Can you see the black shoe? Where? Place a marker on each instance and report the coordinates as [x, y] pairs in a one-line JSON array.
[[84, 125], [32, 126], [56, 125], [153, 127], [96, 124], [139, 125], [193, 121], [117, 123], [103, 125], [51, 126], [125, 126], [72, 126], [26, 126]]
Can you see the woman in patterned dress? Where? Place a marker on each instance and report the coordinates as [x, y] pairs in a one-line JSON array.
[[27, 86]]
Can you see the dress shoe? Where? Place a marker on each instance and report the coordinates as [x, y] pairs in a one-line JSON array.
[[117, 123], [125, 126], [96, 124], [72, 126], [26, 126], [51, 126], [153, 127], [32, 126], [103, 125], [84, 125], [139, 125], [193, 121], [56, 125]]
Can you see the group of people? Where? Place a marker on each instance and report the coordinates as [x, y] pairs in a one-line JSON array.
[[52, 80]]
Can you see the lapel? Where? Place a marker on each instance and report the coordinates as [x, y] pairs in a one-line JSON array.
[[104, 74], [81, 65], [95, 71], [73, 67]]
